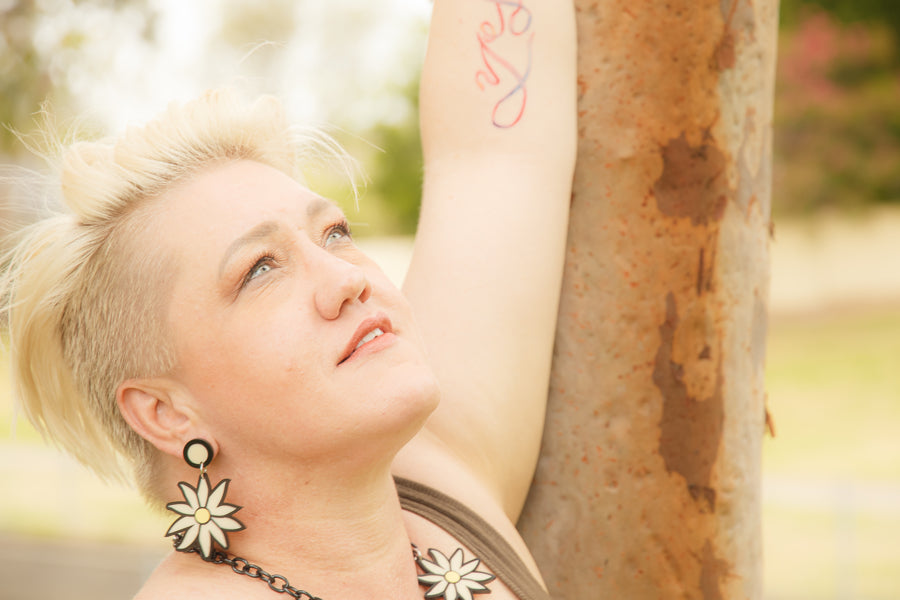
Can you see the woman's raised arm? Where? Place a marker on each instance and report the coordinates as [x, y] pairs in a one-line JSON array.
[[498, 120]]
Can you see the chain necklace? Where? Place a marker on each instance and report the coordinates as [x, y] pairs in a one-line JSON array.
[[276, 583], [241, 566]]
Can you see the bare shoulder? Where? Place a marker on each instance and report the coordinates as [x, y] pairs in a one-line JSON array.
[[186, 577], [170, 580]]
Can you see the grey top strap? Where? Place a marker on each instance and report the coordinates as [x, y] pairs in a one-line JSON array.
[[474, 532]]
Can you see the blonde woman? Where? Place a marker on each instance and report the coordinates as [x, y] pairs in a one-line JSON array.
[[209, 315]]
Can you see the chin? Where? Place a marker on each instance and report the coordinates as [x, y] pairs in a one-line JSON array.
[[419, 395]]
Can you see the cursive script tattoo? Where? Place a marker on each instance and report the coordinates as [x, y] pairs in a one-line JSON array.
[[511, 35]]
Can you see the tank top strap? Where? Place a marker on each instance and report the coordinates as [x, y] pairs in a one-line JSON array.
[[474, 532]]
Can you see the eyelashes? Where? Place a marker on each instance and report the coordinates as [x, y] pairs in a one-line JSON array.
[[341, 228], [262, 264]]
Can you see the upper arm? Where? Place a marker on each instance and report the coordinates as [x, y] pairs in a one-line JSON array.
[[486, 270]]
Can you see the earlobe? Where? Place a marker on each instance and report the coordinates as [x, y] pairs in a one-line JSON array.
[[152, 410]]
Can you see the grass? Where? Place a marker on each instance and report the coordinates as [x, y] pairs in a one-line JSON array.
[[832, 517], [830, 552], [834, 392]]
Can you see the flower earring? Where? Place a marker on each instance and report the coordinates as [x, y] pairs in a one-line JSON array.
[[204, 517]]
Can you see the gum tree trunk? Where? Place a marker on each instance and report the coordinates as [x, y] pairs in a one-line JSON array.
[[649, 480]]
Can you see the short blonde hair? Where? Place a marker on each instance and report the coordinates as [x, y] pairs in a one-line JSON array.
[[86, 303]]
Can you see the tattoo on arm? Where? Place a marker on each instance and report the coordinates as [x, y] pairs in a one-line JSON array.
[[512, 31]]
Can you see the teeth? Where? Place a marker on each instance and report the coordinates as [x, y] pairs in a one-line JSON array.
[[370, 336]]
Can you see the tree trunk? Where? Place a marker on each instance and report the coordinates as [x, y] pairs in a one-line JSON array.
[[648, 484]]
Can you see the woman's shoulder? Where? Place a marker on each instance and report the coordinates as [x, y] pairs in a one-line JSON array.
[[185, 577]]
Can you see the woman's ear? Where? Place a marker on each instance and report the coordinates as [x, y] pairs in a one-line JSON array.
[[156, 410]]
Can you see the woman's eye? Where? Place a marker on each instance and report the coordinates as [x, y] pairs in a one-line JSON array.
[[337, 233], [262, 266]]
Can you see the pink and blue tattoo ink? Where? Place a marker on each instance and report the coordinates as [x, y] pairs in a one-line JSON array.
[[512, 30]]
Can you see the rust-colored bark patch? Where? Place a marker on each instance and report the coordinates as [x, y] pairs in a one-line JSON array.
[[690, 429], [711, 571], [725, 54], [705, 497], [693, 182]]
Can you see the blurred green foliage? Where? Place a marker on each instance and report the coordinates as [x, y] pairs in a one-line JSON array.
[[845, 11], [39, 47], [394, 192], [34, 63], [24, 83], [837, 106]]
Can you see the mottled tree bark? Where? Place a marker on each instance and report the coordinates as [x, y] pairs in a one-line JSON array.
[[648, 484]]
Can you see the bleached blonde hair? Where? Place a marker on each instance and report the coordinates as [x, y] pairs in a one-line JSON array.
[[85, 298]]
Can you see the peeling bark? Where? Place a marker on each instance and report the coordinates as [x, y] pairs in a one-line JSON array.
[[648, 482]]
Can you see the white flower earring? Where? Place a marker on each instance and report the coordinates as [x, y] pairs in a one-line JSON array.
[[204, 517]]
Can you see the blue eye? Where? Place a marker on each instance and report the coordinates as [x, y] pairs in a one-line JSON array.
[[259, 270], [337, 233], [262, 266]]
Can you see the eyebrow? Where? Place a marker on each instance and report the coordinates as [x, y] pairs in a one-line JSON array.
[[261, 231], [317, 206]]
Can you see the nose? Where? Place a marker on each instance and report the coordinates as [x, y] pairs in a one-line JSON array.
[[338, 283]]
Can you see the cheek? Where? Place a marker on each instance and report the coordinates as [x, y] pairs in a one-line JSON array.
[[257, 392], [244, 359]]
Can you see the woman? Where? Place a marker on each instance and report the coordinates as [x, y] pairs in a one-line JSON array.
[[211, 316]]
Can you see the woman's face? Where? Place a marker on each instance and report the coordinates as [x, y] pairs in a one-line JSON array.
[[291, 342]]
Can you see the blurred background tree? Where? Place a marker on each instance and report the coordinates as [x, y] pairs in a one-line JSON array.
[[845, 11], [339, 63], [837, 107], [43, 46], [43, 51], [393, 160]]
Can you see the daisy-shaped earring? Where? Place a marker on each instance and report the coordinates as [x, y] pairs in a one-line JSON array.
[[452, 578], [204, 517]]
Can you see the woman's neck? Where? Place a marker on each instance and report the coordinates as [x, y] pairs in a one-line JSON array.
[[336, 537]]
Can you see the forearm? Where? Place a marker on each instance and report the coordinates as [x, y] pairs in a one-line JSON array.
[[499, 78]]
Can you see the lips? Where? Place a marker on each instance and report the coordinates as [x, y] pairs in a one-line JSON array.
[[368, 331]]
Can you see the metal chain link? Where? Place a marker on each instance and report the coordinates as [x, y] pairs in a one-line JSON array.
[[241, 566], [277, 583]]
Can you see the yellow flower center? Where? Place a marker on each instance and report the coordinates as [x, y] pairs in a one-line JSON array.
[[452, 576], [202, 515]]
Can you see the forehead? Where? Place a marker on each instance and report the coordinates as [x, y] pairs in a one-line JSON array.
[[222, 203], [239, 189]]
